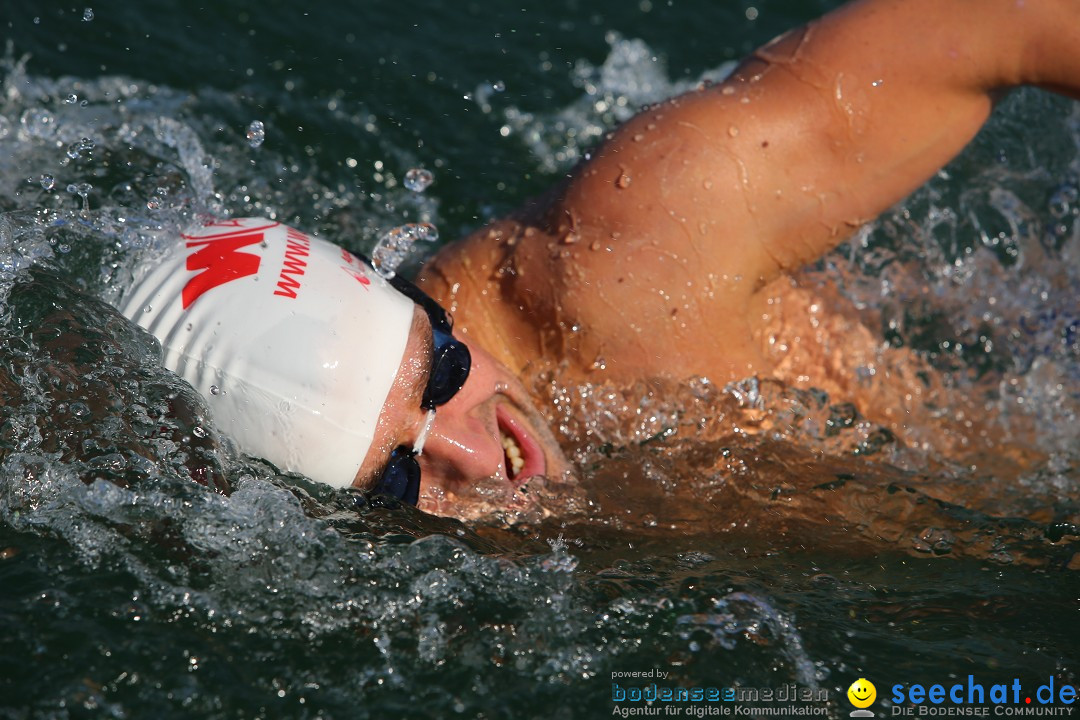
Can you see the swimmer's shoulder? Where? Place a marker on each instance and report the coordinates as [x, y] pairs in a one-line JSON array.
[[536, 294]]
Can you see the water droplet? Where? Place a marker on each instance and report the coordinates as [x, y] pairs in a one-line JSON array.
[[732, 131], [88, 14], [215, 390], [48, 182], [83, 191], [148, 309], [71, 99], [153, 203], [256, 133], [76, 149], [427, 232], [498, 86], [418, 179], [623, 181], [199, 432]]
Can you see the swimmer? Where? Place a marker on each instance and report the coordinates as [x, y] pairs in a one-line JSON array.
[[656, 255]]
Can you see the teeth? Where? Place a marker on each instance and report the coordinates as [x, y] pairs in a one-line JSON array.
[[513, 455]]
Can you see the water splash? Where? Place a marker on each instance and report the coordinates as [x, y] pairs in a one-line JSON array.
[[193, 158], [629, 78], [395, 245], [743, 616]]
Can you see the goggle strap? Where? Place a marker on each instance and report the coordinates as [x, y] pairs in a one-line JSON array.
[[429, 422]]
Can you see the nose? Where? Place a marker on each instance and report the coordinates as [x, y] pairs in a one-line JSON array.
[[464, 443]]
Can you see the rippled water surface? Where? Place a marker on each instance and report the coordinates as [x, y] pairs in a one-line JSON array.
[[749, 536]]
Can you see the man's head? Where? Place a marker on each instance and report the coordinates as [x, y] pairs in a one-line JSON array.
[[309, 359]]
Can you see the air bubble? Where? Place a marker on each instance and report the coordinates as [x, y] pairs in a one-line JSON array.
[[498, 86], [71, 99], [199, 432], [418, 179], [48, 182], [37, 122], [215, 390], [1062, 201], [88, 14], [256, 133]]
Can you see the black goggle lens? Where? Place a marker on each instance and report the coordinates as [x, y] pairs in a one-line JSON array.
[[401, 478], [449, 370]]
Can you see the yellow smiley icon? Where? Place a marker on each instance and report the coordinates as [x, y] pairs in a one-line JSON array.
[[862, 693]]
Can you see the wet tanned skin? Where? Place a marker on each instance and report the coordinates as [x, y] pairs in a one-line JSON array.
[[668, 254], [658, 256]]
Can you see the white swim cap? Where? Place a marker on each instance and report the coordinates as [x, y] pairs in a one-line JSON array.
[[293, 341]]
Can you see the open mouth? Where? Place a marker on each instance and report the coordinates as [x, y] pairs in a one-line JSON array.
[[512, 456], [522, 457]]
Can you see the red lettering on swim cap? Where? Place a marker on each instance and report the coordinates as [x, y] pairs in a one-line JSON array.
[[296, 249], [226, 223], [220, 263], [359, 276]]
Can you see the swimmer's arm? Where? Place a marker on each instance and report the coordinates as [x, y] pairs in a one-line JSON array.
[[815, 134]]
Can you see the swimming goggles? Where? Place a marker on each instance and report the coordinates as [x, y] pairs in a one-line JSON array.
[[450, 366]]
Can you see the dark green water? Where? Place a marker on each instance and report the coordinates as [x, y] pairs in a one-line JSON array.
[[813, 553]]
